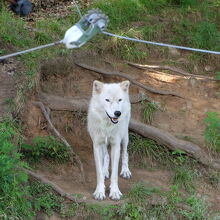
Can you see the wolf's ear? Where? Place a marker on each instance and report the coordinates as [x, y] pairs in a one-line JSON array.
[[97, 87], [125, 85]]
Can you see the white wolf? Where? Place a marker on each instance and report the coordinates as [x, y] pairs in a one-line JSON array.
[[108, 119]]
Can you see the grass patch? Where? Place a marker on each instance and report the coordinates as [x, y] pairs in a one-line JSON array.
[[46, 147], [44, 199], [149, 108], [183, 177], [142, 148], [212, 131], [206, 35], [192, 23], [170, 204]]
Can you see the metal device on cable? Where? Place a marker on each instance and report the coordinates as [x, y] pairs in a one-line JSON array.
[[89, 25], [92, 23]]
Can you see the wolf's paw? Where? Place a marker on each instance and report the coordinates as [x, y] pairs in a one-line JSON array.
[[115, 193], [99, 193], [125, 173]]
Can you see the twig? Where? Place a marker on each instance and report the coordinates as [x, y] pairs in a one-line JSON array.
[[126, 76], [57, 133], [173, 69]]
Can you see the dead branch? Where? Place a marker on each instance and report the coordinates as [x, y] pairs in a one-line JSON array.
[[126, 76], [173, 69], [57, 133], [160, 136]]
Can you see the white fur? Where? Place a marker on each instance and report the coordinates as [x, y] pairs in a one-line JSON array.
[[106, 99]]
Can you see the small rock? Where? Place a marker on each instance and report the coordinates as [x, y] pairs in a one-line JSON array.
[[193, 82], [189, 105], [182, 60], [174, 51], [209, 68], [195, 69], [217, 94]]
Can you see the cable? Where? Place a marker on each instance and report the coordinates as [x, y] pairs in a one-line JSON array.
[[161, 44], [77, 8], [29, 50]]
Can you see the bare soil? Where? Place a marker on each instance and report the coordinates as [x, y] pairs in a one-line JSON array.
[[181, 117]]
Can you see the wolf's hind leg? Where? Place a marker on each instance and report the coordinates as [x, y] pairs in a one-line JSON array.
[[125, 172]]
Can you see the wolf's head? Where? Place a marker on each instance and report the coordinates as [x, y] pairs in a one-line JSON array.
[[111, 99]]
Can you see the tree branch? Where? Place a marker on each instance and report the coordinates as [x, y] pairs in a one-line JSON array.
[[57, 133]]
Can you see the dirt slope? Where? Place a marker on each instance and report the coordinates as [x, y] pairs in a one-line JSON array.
[[181, 117]]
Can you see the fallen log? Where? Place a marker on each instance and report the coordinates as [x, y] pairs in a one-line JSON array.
[[126, 76], [160, 136]]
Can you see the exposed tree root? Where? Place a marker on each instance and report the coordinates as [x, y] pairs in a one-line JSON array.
[[173, 69], [156, 134], [173, 143], [57, 133], [56, 188], [67, 104], [126, 76]]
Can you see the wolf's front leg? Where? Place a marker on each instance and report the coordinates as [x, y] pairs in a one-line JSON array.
[[106, 162], [115, 193], [99, 193], [125, 172]]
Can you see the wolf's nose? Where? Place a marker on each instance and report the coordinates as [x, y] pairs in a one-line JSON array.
[[117, 113]]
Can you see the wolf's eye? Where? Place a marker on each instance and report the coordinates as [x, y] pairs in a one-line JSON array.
[[120, 100], [107, 100]]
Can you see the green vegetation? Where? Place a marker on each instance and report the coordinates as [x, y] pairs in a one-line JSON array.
[[183, 177], [44, 199], [143, 148], [147, 203], [14, 192], [149, 108], [212, 131], [192, 23], [19, 198], [46, 147]]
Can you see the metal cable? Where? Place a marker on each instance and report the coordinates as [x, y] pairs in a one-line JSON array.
[[30, 50], [161, 44]]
